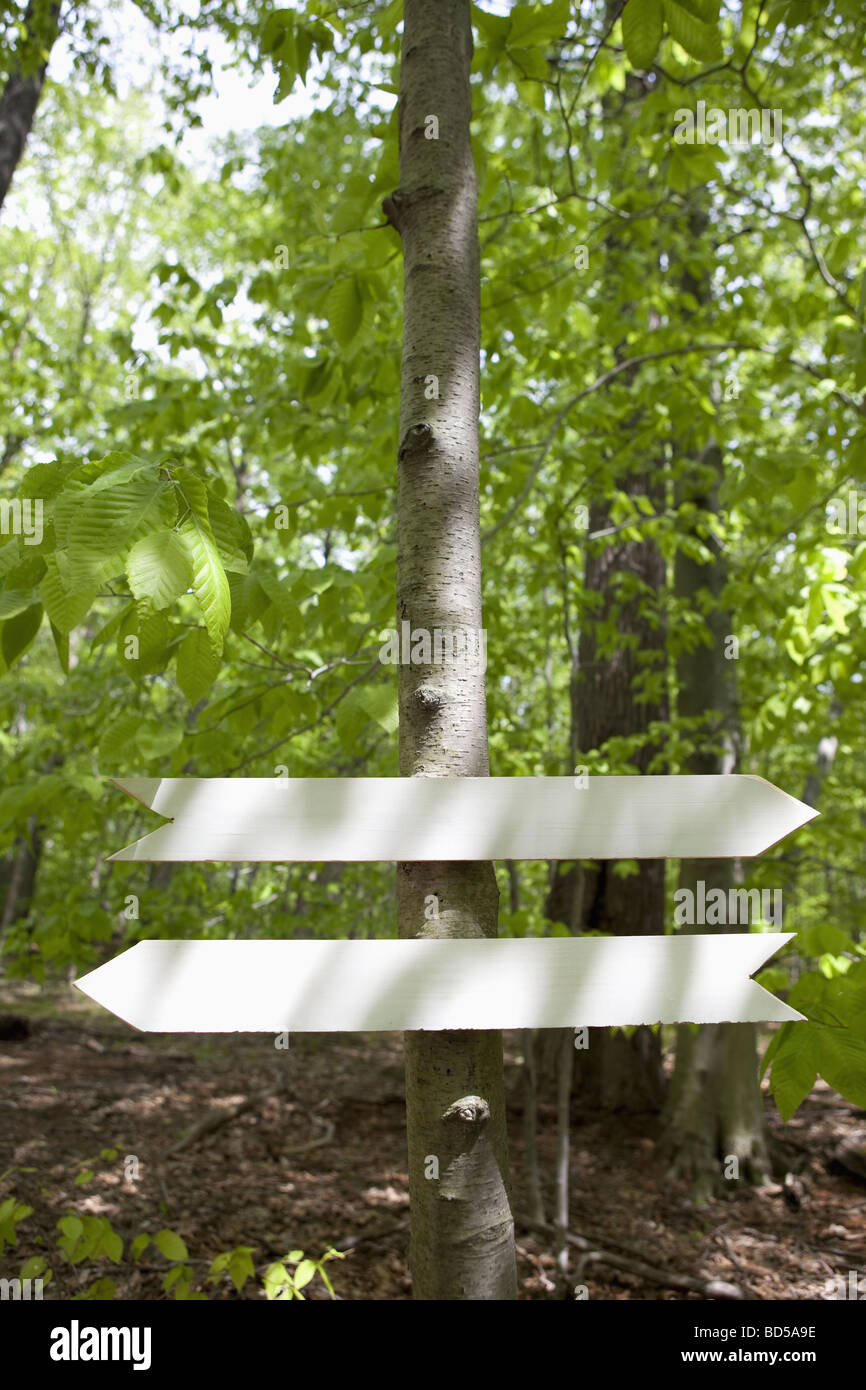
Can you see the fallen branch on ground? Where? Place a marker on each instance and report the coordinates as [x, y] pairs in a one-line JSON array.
[[224, 1117], [216, 1121], [709, 1288]]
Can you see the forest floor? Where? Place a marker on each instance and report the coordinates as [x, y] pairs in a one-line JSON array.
[[319, 1159]]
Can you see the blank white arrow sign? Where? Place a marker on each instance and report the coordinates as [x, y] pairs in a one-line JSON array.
[[385, 986], [309, 819]]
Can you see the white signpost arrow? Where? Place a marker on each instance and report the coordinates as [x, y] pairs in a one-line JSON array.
[[432, 984], [312, 819], [384, 986]]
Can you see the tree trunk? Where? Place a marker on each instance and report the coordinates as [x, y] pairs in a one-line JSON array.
[[714, 1112], [564, 1072], [532, 1172], [24, 86], [22, 879], [622, 1072], [615, 1071], [627, 579], [462, 1243]]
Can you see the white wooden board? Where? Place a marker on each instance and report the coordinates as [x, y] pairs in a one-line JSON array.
[[385, 986], [310, 819]]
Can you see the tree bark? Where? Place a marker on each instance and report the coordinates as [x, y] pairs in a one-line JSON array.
[[21, 883], [462, 1242], [565, 1069], [714, 1112], [625, 579], [615, 1071], [24, 85]]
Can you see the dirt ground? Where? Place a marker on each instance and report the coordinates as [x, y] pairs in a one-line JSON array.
[[318, 1159]]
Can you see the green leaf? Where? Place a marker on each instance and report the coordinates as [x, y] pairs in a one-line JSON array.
[[218, 1266], [107, 519], [530, 62], [700, 39], [28, 574], [304, 1273], [10, 556], [822, 937], [14, 601], [107, 1242], [180, 1275], [493, 28], [704, 9], [344, 309], [198, 665], [795, 1068], [842, 1062], [538, 24], [19, 632], [111, 627], [282, 596], [380, 702], [277, 1282], [249, 601], [352, 721], [11, 1212], [837, 608], [642, 31], [65, 607], [111, 470], [159, 568], [240, 1266], [118, 736], [158, 740], [36, 1268], [772, 979], [171, 1245], [70, 1226], [102, 1290], [209, 582], [153, 631], [139, 1245], [232, 534], [61, 646]]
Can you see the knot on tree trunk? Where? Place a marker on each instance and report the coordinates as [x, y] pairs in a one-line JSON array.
[[416, 441], [396, 204], [472, 1109], [427, 698], [391, 209]]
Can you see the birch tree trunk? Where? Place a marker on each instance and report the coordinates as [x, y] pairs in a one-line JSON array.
[[462, 1243]]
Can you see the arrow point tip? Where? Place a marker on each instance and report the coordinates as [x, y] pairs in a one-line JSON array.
[[141, 789]]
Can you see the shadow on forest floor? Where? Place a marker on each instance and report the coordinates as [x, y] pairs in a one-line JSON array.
[[320, 1157]]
